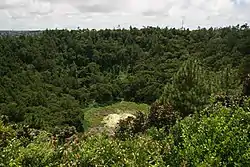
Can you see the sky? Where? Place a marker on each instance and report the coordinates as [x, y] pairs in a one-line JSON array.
[[101, 14]]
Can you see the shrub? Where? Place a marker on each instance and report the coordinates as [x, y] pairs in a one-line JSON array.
[[162, 116], [131, 126], [218, 138], [246, 86], [62, 134], [140, 151], [37, 153], [6, 134], [229, 100]]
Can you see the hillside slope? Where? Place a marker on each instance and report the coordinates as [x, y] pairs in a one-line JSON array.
[[47, 79]]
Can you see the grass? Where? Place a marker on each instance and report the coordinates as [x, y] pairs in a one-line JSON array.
[[94, 116]]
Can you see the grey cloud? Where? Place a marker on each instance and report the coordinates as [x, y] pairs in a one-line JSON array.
[[235, 1], [239, 2], [90, 6], [96, 8], [74, 14], [108, 13], [5, 6], [71, 14], [154, 13], [41, 13], [19, 17], [186, 4]]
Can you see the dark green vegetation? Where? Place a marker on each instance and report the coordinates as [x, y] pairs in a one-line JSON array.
[[196, 82], [17, 33]]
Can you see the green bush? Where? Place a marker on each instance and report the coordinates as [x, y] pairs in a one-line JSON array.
[[131, 126], [137, 152], [6, 133], [162, 116], [217, 137], [39, 152]]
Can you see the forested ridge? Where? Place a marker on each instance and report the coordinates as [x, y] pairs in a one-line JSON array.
[[196, 82]]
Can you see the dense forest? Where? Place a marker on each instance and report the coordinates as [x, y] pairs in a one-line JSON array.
[[18, 33], [196, 82]]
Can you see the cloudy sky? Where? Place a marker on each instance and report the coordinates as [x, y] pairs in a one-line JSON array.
[[42, 14]]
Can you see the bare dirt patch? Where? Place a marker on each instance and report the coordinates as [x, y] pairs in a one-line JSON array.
[[111, 121]]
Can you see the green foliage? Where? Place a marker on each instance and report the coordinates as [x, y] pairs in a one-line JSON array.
[[229, 100], [58, 81], [216, 136], [47, 78], [246, 86], [192, 86], [6, 133], [62, 134], [219, 137], [141, 151], [38, 105], [162, 116], [131, 126], [37, 153], [90, 151]]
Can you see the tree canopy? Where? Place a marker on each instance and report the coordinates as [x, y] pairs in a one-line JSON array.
[[53, 74]]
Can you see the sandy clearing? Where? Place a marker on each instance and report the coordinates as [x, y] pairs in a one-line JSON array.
[[111, 121]]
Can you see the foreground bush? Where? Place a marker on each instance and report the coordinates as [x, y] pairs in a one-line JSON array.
[[140, 151], [215, 136], [218, 137], [6, 133]]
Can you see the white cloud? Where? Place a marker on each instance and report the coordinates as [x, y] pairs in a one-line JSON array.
[[41, 14]]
